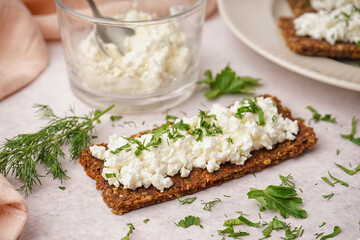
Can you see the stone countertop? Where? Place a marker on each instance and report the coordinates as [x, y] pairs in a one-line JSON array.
[[78, 212]]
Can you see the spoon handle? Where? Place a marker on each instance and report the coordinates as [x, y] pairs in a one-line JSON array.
[[94, 9]]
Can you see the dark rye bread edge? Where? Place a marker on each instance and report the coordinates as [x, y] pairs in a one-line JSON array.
[[300, 7], [123, 200], [312, 47]]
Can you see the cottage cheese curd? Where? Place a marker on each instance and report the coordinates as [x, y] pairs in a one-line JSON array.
[[234, 144], [155, 56], [341, 24], [329, 5]]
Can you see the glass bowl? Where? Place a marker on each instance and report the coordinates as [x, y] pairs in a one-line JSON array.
[[160, 65]]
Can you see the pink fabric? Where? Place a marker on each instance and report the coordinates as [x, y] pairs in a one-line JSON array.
[[13, 211]]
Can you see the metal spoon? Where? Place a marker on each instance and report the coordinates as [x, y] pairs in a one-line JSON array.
[[109, 34]]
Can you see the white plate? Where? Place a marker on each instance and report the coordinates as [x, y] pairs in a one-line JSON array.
[[255, 23]]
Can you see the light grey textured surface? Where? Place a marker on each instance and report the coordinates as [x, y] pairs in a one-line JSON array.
[[79, 212]]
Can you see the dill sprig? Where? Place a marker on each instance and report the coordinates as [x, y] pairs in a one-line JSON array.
[[21, 155]]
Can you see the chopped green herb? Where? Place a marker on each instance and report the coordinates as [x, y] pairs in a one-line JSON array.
[[285, 181], [323, 223], [338, 180], [211, 129], [62, 188], [300, 190], [110, 175], [208, 205], [328, 196], [188, 221], [238, 234], [327, 181], [230, 140], [252, 108], [170, 117], [140, 145], [115, 118], [348, 171], [146, 220], [357, 168], [187, 200], [317, 117], [292, 234], [279, 198], [248, 222], [318, 235], [274, 118], [126, 146], [352, 133], [230, 231], [233, 222], [300, 119], [131, 228], [337, 152], [227, 82], [274, 224], [336, 231], [227, 196]]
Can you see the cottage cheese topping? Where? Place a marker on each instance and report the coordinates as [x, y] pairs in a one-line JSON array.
[[342, 24], [238, 138], [329, 5], [154, 56]]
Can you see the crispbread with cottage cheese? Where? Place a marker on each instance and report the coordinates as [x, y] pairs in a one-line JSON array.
[[122, 200]]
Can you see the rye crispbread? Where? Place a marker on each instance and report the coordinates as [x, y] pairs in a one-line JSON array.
[[122, 200], [312, 47]]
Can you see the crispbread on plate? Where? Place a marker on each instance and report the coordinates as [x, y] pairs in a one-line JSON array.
[[308, 46], [300, 7], [123, 200], [312, 47]]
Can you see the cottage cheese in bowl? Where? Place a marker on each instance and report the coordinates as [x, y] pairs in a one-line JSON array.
[[155, 57]]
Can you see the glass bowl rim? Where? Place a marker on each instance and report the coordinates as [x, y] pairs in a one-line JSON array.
[[119, 22]]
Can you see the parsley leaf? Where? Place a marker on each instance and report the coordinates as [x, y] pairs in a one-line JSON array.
[[317, 116], [232, 233], [131, 228], [188, 221], [62, 188], [227, 82], [336, 231], [187, 200], [279, 198], [352, 133], [274, 224]]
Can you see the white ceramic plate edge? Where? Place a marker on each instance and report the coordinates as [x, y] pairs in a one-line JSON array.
[[282, 62]]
